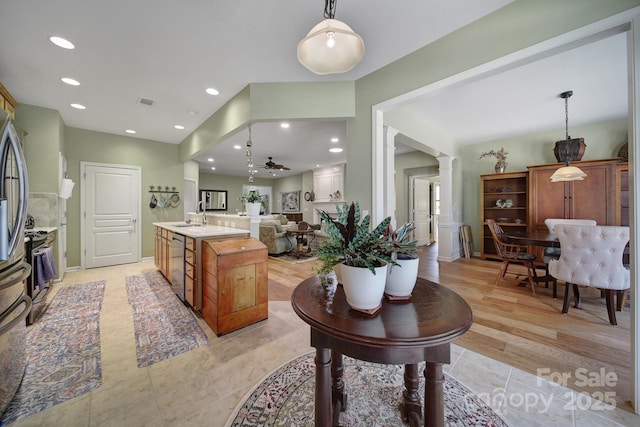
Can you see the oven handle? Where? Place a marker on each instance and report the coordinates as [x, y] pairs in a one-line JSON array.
[[21, 318], [26, 271]]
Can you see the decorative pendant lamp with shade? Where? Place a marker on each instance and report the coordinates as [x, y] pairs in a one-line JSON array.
[[331, 47], [568, 150]]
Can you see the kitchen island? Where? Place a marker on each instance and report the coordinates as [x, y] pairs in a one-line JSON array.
[[181, 263]]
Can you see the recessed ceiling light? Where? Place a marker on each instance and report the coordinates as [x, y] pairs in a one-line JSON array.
[[179, 127], [79, 106], [130, 131], [284, 125], [210, 159], [63, 43], [192, 113], [335, 150], [335, 139], [70, 81], [237, 147], [212, 91], [318, 166], [213, 168]]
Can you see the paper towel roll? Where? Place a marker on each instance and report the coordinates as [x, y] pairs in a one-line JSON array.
[[66, 188]]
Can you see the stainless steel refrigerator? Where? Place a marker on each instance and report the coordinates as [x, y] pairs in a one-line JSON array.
[[15, 305]]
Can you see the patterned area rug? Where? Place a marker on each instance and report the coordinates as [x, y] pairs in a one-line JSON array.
[[63, 352], [286, 398], [164, 326]]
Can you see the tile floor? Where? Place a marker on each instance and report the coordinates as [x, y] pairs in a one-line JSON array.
[[202, 387]]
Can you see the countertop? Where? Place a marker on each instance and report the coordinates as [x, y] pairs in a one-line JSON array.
[[196, 230]]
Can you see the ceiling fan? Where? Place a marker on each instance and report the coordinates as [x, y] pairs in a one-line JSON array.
[[274, 166]]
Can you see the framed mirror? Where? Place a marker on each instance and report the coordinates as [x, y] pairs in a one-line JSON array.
[[214, 200]]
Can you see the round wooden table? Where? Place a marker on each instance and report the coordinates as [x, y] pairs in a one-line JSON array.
[[405, 332], [303, 241]]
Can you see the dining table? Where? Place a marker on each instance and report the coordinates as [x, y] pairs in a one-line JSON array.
[[537, 238], [550, 240], [532, 238]]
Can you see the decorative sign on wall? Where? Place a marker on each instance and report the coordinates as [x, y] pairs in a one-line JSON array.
[[290, 202]]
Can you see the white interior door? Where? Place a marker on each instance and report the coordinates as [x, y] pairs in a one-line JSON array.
[[111, 205], [421, 211]]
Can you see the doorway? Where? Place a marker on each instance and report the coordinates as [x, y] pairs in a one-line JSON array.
[[111, 206], [424, 208]]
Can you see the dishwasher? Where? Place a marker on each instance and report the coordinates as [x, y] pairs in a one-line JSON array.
[[177, 265]]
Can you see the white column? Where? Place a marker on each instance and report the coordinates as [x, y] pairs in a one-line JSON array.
[[389, 174], [448, 229]]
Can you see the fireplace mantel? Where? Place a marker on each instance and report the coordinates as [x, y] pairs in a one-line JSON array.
[[327, 206]]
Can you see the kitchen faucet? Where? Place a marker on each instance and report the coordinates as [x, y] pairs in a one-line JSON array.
[[204, 215]]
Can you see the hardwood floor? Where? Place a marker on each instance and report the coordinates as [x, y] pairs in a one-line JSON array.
[[580, 349]]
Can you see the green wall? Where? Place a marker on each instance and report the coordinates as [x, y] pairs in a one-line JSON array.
[[45, 139], [516, 26], [160, 167], [603, 140]]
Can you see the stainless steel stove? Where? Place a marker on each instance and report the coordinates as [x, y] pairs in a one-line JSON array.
[[35, 241]]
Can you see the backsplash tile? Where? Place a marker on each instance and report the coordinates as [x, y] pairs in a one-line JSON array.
[[44, 209]]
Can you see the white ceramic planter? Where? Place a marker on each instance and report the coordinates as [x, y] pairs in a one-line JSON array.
[[402, 279], [336, 269], [253, 209], [363, 289]]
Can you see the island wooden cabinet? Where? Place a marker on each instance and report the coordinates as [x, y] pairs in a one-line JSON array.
[[162, 255], [190, 271], [591, 198], [234, 283]]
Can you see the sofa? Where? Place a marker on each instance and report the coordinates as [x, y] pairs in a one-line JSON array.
[[274, 235]]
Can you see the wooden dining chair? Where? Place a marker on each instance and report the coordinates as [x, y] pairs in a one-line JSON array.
[[591, 256], [511, 253]]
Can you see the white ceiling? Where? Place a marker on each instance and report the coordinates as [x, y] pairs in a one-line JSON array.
[[170, 52]]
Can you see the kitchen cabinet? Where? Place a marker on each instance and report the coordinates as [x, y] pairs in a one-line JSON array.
[[162, 256], [7, 103], [328, 183], [591, 198], [190, 271], [503, 198], [234, 283]]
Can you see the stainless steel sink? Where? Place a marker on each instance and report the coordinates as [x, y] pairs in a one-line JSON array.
[[188, 225]]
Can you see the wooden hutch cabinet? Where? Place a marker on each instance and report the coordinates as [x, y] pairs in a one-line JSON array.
[[503, 198], [591, 198], [621, 210]]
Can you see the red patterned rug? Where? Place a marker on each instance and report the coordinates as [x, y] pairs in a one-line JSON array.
[[286, 398], [63, 352], [164, 326]]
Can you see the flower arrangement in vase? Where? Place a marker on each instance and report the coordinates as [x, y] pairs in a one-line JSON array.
[[500, 155]]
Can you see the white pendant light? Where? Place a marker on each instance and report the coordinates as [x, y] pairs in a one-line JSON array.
[[567, 172], [331, 46]]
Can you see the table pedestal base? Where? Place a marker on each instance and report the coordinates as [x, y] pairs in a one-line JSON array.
[[331, 400]]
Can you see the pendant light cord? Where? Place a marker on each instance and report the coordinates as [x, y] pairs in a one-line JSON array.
[[329, 9]]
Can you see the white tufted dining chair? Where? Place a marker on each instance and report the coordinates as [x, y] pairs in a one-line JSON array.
[[591, 256], [554, 253]]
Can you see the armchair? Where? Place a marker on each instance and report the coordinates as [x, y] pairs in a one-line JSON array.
[[591, 256], [273, 235]]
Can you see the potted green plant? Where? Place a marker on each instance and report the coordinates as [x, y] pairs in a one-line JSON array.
[[254, 201], [401, 276], [361, 253]]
